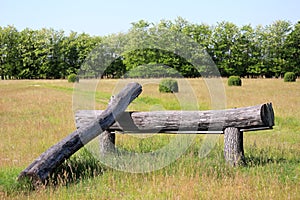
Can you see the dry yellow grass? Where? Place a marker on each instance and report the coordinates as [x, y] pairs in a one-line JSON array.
[[34, 115], [32, 119]]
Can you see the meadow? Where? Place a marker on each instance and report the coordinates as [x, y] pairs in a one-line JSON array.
[[36, 114]]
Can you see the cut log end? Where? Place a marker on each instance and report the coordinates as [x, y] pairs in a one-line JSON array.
[[267, 114]]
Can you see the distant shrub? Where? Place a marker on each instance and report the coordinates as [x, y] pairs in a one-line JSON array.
[[72, 78], [289, 77], [168, 86], [234, 81]]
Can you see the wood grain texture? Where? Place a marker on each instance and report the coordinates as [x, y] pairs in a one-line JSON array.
[[248, 118], [107, 143], [233, 146]]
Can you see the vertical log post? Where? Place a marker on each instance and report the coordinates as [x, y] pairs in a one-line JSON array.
[[233, 146], [107, 143]]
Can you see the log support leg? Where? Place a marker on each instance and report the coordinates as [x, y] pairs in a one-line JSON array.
[[233, 146], [107, 143]]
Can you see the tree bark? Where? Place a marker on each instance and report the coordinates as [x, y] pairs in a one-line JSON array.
[[233, 146], [247, 118], [42, 167], [107, 143]]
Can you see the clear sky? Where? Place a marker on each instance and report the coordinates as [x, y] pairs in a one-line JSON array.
[[102, 17]]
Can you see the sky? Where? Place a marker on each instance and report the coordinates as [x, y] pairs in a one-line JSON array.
[[104, 17]]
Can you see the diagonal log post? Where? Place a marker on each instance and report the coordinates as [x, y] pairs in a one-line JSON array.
[[41, 168]]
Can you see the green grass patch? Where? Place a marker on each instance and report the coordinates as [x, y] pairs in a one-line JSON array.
[[288, 123], [68, 89], [9, 184]]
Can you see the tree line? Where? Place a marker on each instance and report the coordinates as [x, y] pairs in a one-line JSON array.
[[246, 51]]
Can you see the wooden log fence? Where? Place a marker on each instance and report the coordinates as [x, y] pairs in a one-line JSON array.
[[92, 123], [230, 122]]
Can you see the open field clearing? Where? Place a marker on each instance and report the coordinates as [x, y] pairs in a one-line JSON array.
[[36, 114]]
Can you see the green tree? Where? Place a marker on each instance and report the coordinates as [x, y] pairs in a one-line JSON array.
[[248, 52], [75, 49], [224, 41], [255, 38], [54, 62], [105, 60], [275, 36], [292, 51], [31, 50], [9, 57]]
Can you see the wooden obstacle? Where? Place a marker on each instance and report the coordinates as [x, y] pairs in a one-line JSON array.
[[46, 163], [93, 123], [230, 122]]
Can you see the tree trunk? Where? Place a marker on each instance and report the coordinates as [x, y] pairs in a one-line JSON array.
[[233, 146], [107, 143], [253, 117], [44, 165]]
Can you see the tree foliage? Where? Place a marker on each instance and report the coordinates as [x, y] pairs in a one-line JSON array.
[[45, 53], [268, 51], [291, 51]]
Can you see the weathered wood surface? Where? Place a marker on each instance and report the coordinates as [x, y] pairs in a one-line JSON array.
[[233, 146], [40, 169], [246, 118], [107, 143]]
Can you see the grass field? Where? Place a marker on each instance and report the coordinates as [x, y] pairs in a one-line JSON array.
[[35, 114]]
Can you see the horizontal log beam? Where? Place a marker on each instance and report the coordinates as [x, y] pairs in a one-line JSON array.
[[211, 121]]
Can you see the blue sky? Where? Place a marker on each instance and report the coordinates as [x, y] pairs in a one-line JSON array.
[[98, 17]]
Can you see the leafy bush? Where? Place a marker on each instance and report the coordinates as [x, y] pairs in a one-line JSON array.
[[72, 78], [168, 86], [289, 77], [234, 81]]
